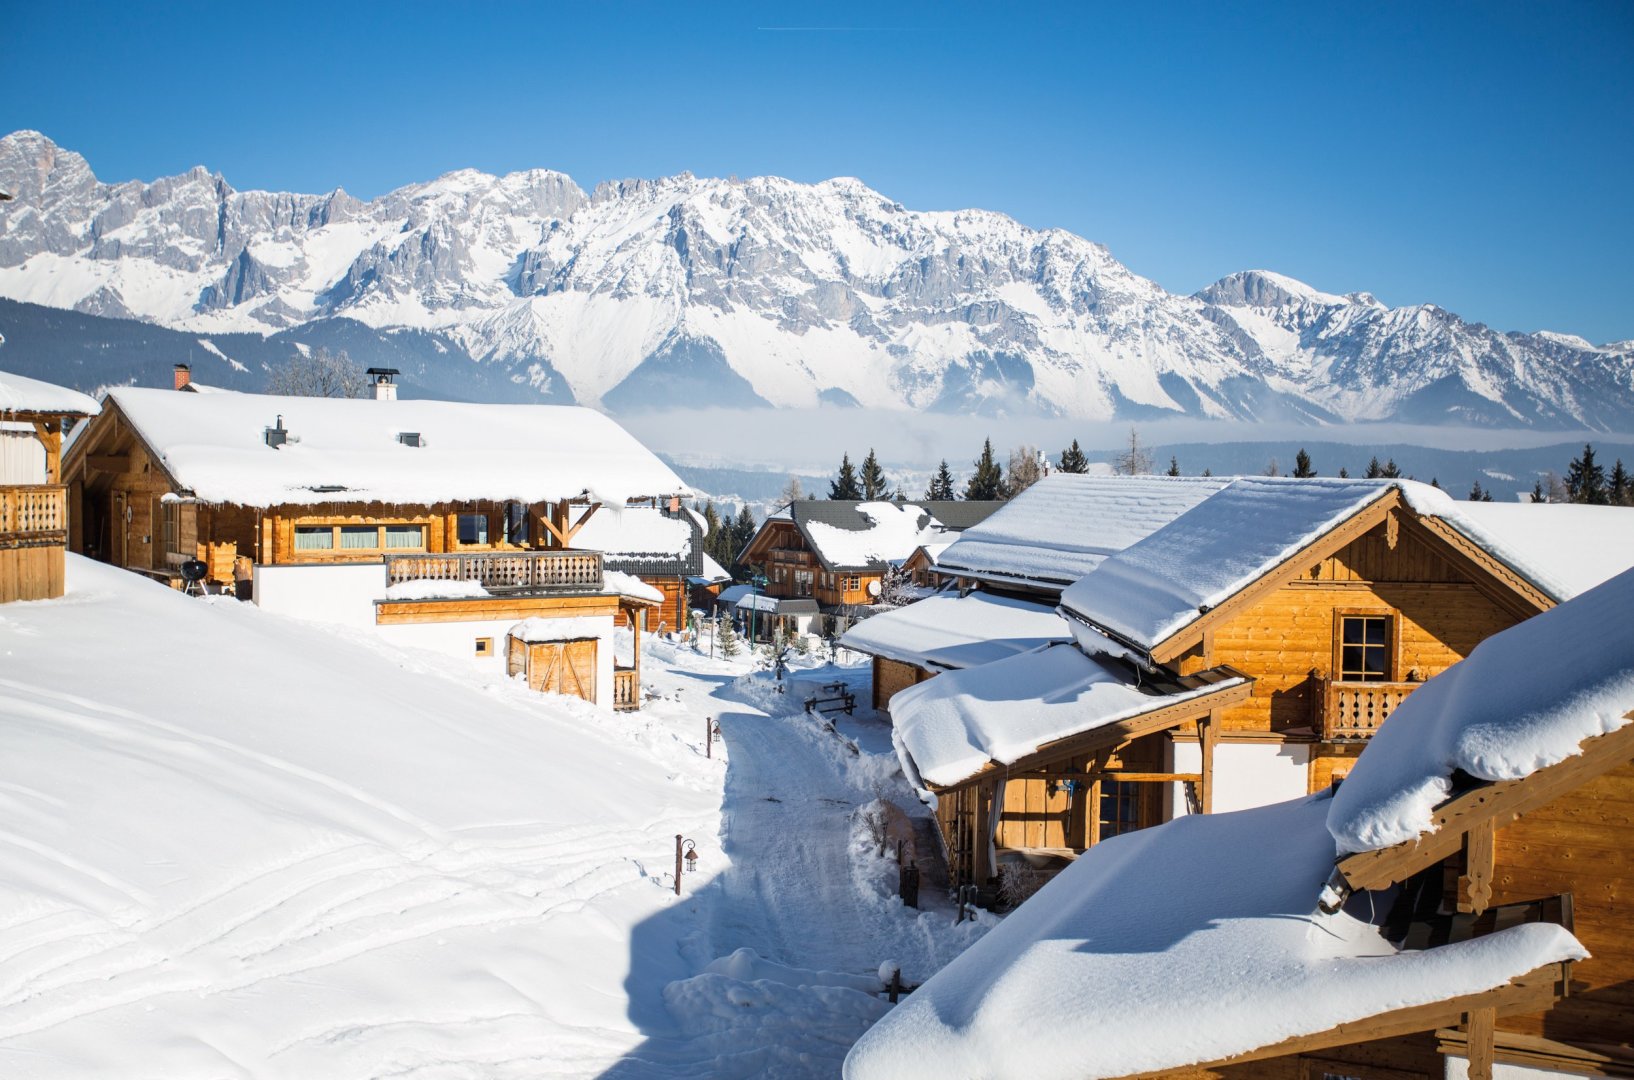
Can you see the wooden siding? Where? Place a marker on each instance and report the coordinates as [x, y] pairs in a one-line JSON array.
[[556, 667], [1035, 817], [31, 573], [397, 612], [893, 676]]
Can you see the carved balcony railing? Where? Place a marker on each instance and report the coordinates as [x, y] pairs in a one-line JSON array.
[[1352, 711], [518, 571], [33, 514], [626, 690]]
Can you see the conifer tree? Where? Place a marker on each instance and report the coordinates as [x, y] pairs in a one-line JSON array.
[[844, 485], [941, 485], [1391, 470], [987, 482], [1477, 493], [1207, 471], [1374, 469], [1073, 460], [1537, 491], [1344, 473], [1174, 465], [1585, 480], [726, 636], [1621, 492], [743, 530], [874, 486], [1302, 465]]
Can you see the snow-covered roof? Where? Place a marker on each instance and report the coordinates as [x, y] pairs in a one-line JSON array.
[[947, 728], [863, 535], [635, 532], [1229, 540], [347, 450], [615, 583], [713, 572], [1571, 547], [952, 631], [1062, 527], [21, 394], [1523, 700], [1177, 945]]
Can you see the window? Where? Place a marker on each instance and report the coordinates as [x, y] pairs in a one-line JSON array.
[[802, 582], [850, 583], [355, 537], [411, 537], [1120, 807], [473, 529], [173, 527], [1364, 648], [314, 537], [485, 646]]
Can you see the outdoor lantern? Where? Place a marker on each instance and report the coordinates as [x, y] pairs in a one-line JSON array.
[[691, 857]]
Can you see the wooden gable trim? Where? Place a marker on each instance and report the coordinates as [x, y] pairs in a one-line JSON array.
[[80, 455], [1111, 736], [1499, 580], [754, 550], [1535, 991], [1498, 803], [1329, 543]]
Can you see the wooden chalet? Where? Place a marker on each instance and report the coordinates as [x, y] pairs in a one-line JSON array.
[[1480, 932], [440, 524], [660, 544], [34, 504], [836, 552], [1332, 600]]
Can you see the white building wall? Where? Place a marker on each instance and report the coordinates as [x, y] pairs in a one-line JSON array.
[[1458, 1069], [1246, 774], [331, 594], [22, 456], [460, 639]]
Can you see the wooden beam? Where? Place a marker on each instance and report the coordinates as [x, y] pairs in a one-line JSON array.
[[567, 541], [1208, 735], [113, 464], [1115, 774], [1499, 803], [392, 613], [1475, 884], [52, 441], [1478, 1025]]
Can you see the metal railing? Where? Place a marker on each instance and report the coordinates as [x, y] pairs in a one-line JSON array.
[[502, 569], [1354, 710], [33, 511], [626, 690]]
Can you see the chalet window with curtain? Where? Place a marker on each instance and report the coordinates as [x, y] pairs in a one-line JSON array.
[[314, 537], [360, 539], [1365, 648]]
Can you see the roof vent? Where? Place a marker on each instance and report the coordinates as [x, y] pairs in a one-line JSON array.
[[410, 438], [277, 436]]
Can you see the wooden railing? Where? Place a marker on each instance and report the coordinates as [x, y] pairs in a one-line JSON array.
[[626, 690], [502, 569], [33, 511], [1354, 710]]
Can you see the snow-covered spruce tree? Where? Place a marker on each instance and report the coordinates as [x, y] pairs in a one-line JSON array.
[[1302, 465], [726, 636], [1621, 491], [1174, 466], [941, 485], [320, 373], [1586, 480], [1072, 460], [896, 587], [874, 486], [987, 482], [844, 485]]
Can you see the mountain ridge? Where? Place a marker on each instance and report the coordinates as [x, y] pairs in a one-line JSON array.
[[642, 293]]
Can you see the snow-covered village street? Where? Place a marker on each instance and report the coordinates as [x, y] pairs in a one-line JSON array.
[[464, 879]]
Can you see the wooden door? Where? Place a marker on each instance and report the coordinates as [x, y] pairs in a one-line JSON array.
[[578, 669]]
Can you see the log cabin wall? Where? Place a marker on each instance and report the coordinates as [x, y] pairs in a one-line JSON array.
[[1040, 812], [1287, 640], [893, 676]]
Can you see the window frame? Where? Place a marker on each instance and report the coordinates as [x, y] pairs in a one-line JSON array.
[[1391, 645], [339, 551]]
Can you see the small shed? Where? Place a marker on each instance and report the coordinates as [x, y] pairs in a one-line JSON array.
[[553, 658]]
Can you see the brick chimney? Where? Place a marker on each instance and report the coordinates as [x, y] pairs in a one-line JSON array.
[[184, 376]]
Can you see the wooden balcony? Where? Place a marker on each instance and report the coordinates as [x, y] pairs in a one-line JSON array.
[[503, 571], [33, 540], [1352, 711], [626, 689]]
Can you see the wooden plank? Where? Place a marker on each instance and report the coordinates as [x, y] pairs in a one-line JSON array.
[[1478, 1025], [1475, 884], [394, 613]]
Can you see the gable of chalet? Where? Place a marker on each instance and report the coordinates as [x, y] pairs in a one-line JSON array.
[[860, 536]]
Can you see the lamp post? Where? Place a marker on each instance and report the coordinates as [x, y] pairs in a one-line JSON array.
[[686, 858]]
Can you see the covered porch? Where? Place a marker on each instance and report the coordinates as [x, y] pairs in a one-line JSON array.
[[34, 520]]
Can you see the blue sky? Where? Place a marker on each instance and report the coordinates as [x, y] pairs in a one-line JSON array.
[[1477, 156]]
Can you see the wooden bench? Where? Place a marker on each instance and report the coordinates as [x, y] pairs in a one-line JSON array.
[[833, 698]]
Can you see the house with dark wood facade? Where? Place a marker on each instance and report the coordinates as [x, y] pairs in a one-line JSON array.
[[1455, 907], [442, 525], [34, 505], [1241, 654]]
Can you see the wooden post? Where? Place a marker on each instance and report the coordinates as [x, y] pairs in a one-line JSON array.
[[677, 864], [1208, 735], [1475, 884], [637, 617], [52, 441], [709, 736], [1479, 1042], [981, 862]]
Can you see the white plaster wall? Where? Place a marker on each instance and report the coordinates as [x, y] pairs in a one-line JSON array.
[[1458, 1069], [332, 594], [459, 639], [1245, 774], [22, 456]]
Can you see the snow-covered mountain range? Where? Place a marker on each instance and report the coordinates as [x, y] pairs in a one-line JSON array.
[[689, 291]]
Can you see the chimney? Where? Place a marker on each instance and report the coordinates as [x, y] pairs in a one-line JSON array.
[[184, 376], [385, 388]]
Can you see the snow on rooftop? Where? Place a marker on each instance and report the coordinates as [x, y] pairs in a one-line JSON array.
[[19, 393], [1567, 548], [347, 450], [949, 727], [1062, 527], [952, 631], [618, 583], [894, 532], [635, 532], [1205, 555], [713, 572], [1522, 700], [1177, 945], [343, 860]]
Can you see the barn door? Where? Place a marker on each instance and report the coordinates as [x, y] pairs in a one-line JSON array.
[[579, 669], [544, 668]]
